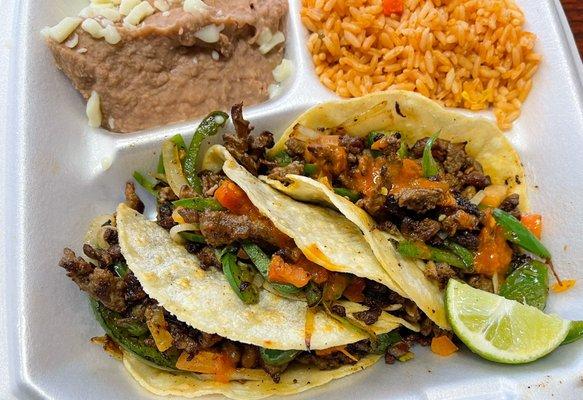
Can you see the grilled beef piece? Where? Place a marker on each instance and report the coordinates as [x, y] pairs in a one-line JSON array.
[[481, 282], [388, 226], [439, 272], [274, 371], [459, 220], [248, 150], [456, 157], [439, 149], [132, 199], [210, 182], [290, 254], [467, 239], [295, 147], [510, 202], [338, 310], [467, 206], [164, 218], [422, 230], [105, 258], [166, 195], [222, 228], [134, 292], [476, 179], [374, 205], [353, 144], [377, 295], [369, 316], [99, 283], [249, 356], [208, 259], [419, 200], [110, 235], [279, 173]]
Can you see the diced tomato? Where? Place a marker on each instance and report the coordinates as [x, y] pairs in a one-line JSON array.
[[494, 254], [443, 346], [534, 223], [392, 6], [317, 274], [565, 285], [354, 291], [207, 362], [282, 272], [233, 198]]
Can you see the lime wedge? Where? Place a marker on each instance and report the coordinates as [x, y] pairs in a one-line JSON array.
[[499, 329]]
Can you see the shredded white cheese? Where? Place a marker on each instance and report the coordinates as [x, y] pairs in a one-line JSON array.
[[138, 13], [162, 5], [93, 110], [72, 41], [209, 33], [111, 35], [63, 29], [195, 6], [127, 5], [283, 70], [267, 40], [93, 28]]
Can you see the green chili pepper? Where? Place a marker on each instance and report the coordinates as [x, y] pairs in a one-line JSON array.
[[575, 332], [310, 169], [208, 127], [352, 195], [193, 237], [428, 162], [199, 204], [178, 140], [282, 158], [278, 357], [528, 284], [403, 150], [412, 249], [261, 262], [146, 183], [385, 340], [464, 254], [129, 342], [313, 294], [519, 234], [134, 328], [240, 278], [121, 269]]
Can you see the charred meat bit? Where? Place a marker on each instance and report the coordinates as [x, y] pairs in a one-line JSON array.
[[189, 215], [467, 239], [439, 149], [208, 259], [164, 217], [166, 195], [476, 179], [99, 283], [439, 272], [510, 203], [279, 173], [249, 356], [353, 144], [133, 292], [210, 182], [338, 310], [132, 199], [295, 147], [460, 220], [274, 371], [184, 337], [420, 200], [388, 226], [223, 228], [456, 157], [419, 230], [232, 351], [369, 316], [481, 282], [110, 235], [374, 205], [466, 205]]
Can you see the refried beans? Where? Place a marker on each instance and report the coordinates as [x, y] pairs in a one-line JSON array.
[[161, 70]]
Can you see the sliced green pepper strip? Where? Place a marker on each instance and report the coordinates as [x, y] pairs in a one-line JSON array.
[[149, 354], [261, 262], [412, 249], [134, 328], [240, 279], [403, 150], [193, 237], [199, 204], [352, 195], [428, 163], [310, 169], [121, 269], [282, 158], [385, 340], [313, 294], [209, 126], [278, 357], [575, 332], [146, 183], [464, 254], [519, 234], [528, 284]]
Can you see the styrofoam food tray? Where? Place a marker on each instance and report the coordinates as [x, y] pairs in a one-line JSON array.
[[55, 178]]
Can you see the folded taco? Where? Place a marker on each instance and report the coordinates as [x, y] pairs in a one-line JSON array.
[[414, 178], [217, 297]]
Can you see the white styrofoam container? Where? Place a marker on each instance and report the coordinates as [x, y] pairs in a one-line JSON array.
[[53, 178]]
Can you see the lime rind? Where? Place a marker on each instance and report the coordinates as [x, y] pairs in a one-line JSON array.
[[501, 330]]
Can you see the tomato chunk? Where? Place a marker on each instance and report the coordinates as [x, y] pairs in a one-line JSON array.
[[282, 272], [494, 254], [534, 223], [233, 198], [443, 346], [392, 6]]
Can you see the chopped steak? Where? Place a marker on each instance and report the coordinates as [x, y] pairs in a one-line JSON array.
[[422, 230], [295, 147], [456, 157], [279, 173], [210, 182], [476, 179], [439, 149], [481, 282], [510, 203], [132, 199], [419, 199], [208, 259], [100, 283], [467, 239], [439, 272], [164, 217], [369, 316], [354, 144], [460, 220], [338, 310]]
